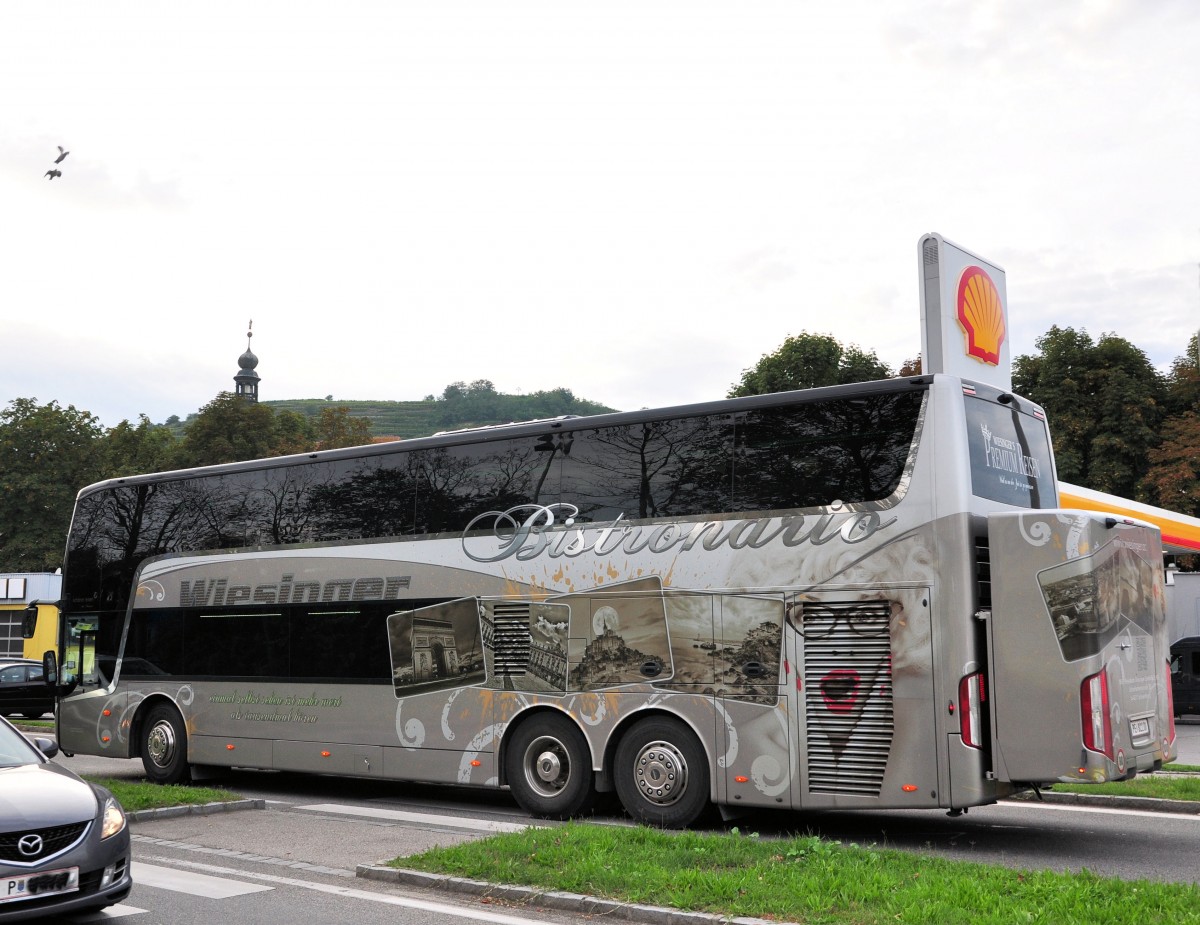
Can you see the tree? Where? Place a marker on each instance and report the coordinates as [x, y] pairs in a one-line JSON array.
[[128, 450], [1173, 478], [336, 428], [1105, 404], [229, 429], [1183, 382], [464, 404], [293, 434], [47, 453], [806, 361]]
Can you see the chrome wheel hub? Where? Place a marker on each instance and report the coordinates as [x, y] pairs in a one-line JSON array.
[[161, 745], [661, 773], [547, 765]]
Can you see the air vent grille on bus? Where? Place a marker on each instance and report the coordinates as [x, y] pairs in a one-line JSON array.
[[511, 640], [983, 571], [848, 695]]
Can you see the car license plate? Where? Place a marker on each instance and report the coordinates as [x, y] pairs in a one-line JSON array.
[[1139, 728], [45, 883]]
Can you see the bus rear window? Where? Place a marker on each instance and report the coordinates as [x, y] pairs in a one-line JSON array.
[[1010, 455]]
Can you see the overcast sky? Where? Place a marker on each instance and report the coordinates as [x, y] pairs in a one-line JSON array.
[[633, 200]]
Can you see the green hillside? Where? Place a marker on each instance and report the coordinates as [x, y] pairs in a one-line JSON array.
[[388, 418], [460, 406]]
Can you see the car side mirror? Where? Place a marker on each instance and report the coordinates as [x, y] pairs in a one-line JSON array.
[[50, 668], [47, 747]]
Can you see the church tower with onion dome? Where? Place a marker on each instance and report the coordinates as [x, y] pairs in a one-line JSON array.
[[247, 378]]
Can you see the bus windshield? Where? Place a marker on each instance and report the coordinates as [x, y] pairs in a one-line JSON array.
[[1010, 454]]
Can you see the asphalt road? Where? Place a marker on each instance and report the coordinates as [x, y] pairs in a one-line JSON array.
[[296, 859], [378, 828]]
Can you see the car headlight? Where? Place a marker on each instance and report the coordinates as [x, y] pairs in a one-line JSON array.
[[113, 820]]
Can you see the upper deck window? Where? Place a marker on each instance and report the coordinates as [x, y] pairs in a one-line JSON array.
[[801, 452]]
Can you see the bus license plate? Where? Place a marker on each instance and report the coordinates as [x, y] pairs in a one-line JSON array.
[[1139, 728], [43, 884]]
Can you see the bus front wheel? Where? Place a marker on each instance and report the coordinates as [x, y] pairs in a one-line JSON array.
[[661, 774], [164, 746], [548, 768]]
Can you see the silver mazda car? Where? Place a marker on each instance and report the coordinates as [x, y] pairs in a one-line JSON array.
[[64, 843]]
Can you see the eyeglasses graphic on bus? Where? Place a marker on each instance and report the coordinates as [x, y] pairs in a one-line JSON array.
[[825, 619]]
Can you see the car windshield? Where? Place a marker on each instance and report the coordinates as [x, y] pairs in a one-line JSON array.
[[15, 749]]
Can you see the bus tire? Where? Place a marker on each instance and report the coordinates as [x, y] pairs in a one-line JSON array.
[[548, 767], [164, 746], [661, 774]]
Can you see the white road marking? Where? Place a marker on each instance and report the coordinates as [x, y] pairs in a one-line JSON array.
[[167, 878], [119, 911], [479, 915], [397, 815], [1112, 811]]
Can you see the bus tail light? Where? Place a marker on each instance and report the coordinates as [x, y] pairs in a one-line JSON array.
[[971, 695], [1094, 707]]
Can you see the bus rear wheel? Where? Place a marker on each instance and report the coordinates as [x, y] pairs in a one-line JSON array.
[[164, 746], [547, 764], [661, 774]]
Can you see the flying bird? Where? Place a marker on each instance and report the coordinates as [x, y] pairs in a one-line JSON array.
[[61, 155], [53, 173]]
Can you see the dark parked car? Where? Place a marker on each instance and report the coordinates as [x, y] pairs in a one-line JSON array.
[[23, 689], [64, 843], [1185, 675], [17, 660]]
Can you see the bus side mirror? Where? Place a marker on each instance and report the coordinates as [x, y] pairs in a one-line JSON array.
[[50, 668], [29, 622]]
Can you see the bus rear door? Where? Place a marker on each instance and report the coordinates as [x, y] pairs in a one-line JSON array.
[[1078, 651]]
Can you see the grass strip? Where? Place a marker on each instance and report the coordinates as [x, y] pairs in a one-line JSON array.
[[1144, 785], [139, 795], [38, 724], [804, 879]]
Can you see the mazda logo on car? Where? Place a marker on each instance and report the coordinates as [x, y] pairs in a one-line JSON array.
[[30, 845]]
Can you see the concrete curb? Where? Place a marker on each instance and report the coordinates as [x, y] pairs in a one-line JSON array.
[[550, 899], [1142, 804], [198, 809]]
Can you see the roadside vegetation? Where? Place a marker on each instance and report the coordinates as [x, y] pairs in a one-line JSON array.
[[136, 795], [1156, 786], [805, 879]]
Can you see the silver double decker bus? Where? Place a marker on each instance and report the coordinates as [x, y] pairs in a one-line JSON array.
[[854, 597]]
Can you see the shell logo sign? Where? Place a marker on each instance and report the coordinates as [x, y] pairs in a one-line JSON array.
[[964, 314], [980, 313]]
